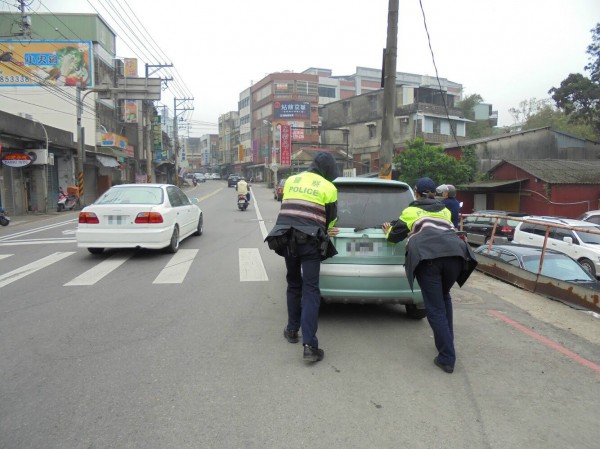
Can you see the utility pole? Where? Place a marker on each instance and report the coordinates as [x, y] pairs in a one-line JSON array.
[[389, 93], [178, 105], [25, 25], [150, 176]]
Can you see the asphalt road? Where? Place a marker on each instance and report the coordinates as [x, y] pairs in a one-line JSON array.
[[113, 351]]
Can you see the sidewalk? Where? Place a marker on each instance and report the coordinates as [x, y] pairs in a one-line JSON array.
[[34, 217]]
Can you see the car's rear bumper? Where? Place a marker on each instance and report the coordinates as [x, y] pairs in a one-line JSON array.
[[367, 284], [125, 238]]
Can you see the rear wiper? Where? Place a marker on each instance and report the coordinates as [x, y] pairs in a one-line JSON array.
[[367, 227]]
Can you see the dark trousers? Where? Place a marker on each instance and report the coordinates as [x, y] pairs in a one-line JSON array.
[[436, 277], [303, 294]]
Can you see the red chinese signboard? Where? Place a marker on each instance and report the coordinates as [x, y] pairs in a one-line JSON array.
[[286, 145]]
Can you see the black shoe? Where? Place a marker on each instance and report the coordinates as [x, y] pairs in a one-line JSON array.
[[291, 336], [446, 368], [312, 354]]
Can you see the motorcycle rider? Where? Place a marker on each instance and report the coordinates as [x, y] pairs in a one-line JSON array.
[[243, 189]]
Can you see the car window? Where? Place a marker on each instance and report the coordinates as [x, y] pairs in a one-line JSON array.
[[560, 234], [595, 219], [174, 198], [556, 266], [509, 258], [132, 195], [585, 237], [370, 205], [512, 223]]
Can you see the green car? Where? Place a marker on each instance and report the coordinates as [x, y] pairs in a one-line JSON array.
[[367, 268]]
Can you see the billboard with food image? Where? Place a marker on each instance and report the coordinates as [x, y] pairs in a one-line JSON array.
[[54, 63]]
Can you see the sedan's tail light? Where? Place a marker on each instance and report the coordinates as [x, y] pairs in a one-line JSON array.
[[148, 218], [506, 229], [88, 218]]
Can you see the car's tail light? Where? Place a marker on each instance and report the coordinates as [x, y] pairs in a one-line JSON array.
[[88, 218], [148, 218], [506, 229]]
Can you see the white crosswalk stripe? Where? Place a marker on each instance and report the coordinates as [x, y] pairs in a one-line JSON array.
[[104, 268], [251, 267], [177, 268], [25, 270]]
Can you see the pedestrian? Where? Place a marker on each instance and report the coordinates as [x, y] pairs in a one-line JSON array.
[[301, 235], [448, 194], [438, 258]]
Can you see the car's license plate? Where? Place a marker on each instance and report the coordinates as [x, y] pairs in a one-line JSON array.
[[364, 247], [116, 219]]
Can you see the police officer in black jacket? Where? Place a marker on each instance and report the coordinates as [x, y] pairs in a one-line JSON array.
[[306, 219], [438, 258]]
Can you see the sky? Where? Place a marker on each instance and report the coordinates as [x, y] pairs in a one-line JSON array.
[[506, 51]]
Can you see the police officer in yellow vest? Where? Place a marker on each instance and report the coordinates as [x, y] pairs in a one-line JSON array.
[[301, 235], [438, 258]]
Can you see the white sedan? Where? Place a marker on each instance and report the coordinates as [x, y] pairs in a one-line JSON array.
[[155, 216]]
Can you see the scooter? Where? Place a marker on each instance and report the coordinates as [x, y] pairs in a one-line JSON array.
[[66, 201], [242, 202], [4, 219]]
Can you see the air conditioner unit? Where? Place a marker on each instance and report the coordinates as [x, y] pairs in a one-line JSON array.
[[25, 115], [38, 157]]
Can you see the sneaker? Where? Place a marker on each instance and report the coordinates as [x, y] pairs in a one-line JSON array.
[[291, 336], [312, 354], [446, 368]]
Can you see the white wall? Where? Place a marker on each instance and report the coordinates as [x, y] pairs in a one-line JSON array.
[[54, 107]]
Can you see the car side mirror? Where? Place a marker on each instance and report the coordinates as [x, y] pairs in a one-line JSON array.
[[568, 240], [194, 200]]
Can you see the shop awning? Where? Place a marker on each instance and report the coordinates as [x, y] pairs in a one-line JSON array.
[[107, 161]]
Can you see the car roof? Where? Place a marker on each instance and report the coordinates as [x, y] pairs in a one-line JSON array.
[[355, 180], [565, 221], [522, 250], [142, 185]]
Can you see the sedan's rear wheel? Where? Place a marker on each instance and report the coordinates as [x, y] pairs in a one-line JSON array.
[[200, 228], [174, 244], [95, 250], [588, 265]]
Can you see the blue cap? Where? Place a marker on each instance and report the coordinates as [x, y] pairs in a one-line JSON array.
[[425, 185]]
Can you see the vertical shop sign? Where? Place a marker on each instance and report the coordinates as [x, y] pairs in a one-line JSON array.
[[286, 145]]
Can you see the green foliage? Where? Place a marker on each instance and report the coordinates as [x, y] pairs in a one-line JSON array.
[[578, 96], [420, 159], [558, 120]]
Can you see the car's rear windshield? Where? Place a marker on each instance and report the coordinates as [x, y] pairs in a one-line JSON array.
[[132, 195], [363, 206]]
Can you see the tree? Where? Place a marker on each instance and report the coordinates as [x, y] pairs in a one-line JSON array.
[[421, 159], [527, 109], [558, 120], [578, 96]]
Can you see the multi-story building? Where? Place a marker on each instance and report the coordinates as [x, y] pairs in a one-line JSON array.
[[49, 69], [422, 110], [229, 140]]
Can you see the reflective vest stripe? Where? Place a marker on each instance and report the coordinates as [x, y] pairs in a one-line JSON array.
[[303, 214], [302, 205]]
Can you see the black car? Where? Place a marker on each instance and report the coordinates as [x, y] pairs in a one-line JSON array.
[[232, 180], [480, 224]]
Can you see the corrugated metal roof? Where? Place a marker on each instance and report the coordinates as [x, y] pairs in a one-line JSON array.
[[559, 171], [482, 185]]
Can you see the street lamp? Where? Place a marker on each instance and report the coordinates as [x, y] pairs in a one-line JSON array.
[[274, 165]]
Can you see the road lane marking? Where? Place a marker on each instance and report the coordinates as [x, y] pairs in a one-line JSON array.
[[551, 344], [40, 229], [38, 241], [177, 268], [251, 265], [4, 256], [261, 222], [28, 269], [104, 268]]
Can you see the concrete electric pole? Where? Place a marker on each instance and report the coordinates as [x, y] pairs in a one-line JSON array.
[[389, 93]]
